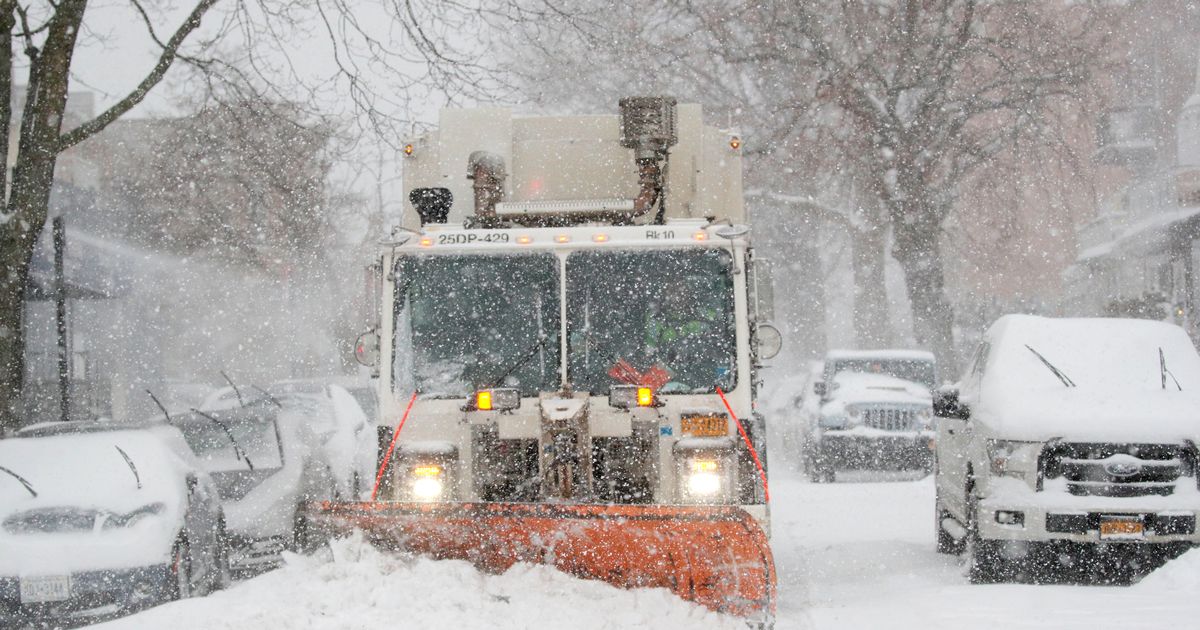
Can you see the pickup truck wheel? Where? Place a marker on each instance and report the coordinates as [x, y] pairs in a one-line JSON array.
[[946, 543], [985, 565]]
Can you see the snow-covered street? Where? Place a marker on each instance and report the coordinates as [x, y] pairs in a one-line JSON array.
[[854, 554]]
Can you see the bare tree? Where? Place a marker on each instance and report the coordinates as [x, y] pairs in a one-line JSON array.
[[383, 54], [899, 101]]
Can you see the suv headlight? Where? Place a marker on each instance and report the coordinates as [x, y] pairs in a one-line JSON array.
[[1012, 458]]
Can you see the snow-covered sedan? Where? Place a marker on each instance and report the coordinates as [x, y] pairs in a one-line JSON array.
[[1070, 444], [875, 411], [99, 518]]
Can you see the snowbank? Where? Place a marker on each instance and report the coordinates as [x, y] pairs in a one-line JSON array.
[[353, 585]]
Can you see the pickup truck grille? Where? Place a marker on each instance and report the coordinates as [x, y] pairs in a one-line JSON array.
[[1117, 470], [890, 419]]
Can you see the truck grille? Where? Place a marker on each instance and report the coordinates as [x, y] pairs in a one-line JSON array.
[[1117, 470], [890, 419]]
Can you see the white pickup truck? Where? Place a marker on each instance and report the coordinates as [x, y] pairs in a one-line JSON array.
[[1070, 444]]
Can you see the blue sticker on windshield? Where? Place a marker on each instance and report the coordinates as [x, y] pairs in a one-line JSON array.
[[665, 431]]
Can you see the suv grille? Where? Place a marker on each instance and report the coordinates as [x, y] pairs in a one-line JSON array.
[[1117, 470], [890, 419]]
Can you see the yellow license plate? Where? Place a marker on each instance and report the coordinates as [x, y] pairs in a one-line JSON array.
[[704, 426], [1118, 528]]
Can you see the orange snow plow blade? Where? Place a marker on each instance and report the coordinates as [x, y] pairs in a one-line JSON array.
[[715, 556]]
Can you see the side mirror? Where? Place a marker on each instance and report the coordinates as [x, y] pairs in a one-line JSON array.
[[819, 388], [947, 405], [366, 349], [770, 341]]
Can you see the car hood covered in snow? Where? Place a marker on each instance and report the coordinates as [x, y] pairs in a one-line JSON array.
[[89, 513], [857, 388], [1118, 393]]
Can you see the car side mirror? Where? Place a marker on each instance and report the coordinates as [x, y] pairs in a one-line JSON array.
[[819, 388], [947, 405]]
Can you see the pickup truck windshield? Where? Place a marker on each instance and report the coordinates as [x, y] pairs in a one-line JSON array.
[[638, 317], [462, 321]]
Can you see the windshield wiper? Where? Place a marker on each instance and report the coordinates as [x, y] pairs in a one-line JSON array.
[[522, 360], [266, 394], [237, 448], [1066, 380], [28, 486], [160, 405], [132, 468], [241, 403], [1163, 371]]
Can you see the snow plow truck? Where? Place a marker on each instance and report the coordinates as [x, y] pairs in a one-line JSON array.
[[570, 331]]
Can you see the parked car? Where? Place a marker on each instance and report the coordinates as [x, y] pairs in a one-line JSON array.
[[874, 411], [100, 518], [289, 444], [1068, 442]]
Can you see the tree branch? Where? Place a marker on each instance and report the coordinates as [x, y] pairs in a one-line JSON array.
[[169, 53]]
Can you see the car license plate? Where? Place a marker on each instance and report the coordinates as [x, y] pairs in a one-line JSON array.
[[704, 426], [46, 588], [1121, 528]]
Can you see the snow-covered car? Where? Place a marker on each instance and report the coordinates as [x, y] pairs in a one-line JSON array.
[[100, 518], [289, 444], [875, 411], [1066, 437]]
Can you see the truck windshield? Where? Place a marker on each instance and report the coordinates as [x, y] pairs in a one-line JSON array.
[[465, 321], [907, 369], [662, 318]]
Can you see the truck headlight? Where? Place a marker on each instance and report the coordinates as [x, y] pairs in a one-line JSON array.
[[704, 479], [704, 471], [428, 482], [1011, 457]]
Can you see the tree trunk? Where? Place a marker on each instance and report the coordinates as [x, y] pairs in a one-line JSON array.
[[28, 202], [918, 250], [872, 329]]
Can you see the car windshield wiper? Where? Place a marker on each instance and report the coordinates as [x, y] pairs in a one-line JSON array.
[[132, 468], [241, 403], [1163, 371], [1066, 380], [237, 448], [266, 394], [28, 486]]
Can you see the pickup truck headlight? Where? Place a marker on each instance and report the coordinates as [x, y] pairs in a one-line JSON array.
[[1012, 458]]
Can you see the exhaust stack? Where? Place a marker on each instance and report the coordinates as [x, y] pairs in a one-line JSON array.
[[486, 169], [648, 127]]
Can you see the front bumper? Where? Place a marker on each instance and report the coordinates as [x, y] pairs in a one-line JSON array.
[[93, 594], [1059, 516], [856, 449]]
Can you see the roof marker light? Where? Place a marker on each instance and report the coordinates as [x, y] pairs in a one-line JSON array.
[[600, 238], [524, 239], [426, 241], [408, 150], [700, 236], [562, 238]]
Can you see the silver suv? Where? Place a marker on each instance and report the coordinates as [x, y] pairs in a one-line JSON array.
[[875, 412]]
